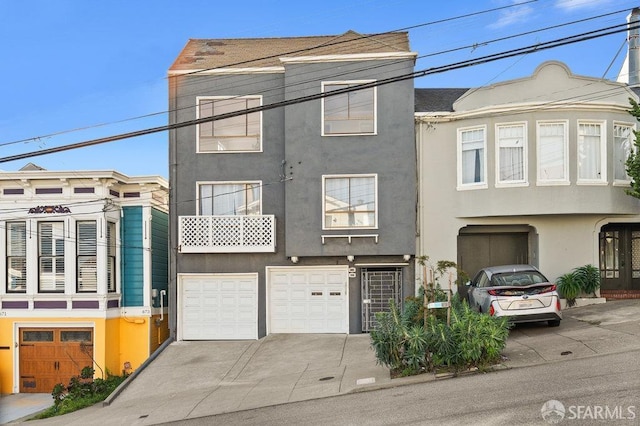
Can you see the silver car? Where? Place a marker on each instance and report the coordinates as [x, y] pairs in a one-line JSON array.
[[519, 292]]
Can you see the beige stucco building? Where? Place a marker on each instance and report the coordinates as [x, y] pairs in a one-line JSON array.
[[530, 171]]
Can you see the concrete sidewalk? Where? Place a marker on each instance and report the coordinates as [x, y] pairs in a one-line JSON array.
[[194, 379]]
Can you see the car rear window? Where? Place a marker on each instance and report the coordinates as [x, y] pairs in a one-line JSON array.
[[515, 279]]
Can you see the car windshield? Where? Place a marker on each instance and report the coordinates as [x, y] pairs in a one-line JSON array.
[[516, 279]]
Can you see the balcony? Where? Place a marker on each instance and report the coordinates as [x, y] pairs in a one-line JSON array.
[[227, 234]]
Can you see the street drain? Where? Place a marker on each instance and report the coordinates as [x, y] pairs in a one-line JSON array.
[[566, 353], [325, 378]]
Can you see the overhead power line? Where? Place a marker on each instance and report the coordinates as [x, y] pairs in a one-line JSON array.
[[292, 52], [413, 75], [338, 42]]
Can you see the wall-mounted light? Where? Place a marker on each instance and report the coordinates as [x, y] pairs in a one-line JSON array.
[[294, 259], [350, 258], [406, 257]]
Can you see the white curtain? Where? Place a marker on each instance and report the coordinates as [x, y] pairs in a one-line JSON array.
[[511, 142], [589, 151], [472, 156], [551, 151]]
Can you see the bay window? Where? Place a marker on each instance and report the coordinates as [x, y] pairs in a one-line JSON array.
[[87, 256], [511, 153], [16, 257], [472, 157], [51, 256], [622, 147], [552, 153], [591, 152], [111, 257]]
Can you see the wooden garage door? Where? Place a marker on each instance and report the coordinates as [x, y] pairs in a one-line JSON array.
[[219, 306], [49, 356], [308, 300]]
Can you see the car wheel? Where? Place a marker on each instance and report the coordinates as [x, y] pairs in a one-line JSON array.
[[553, 323]]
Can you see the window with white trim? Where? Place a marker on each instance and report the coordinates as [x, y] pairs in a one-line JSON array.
[[592, 164], [553, 153], [511, 153], [350, 202], [51, 256], [230, 198], [351, 112], [16, 257], [111, 257], [622, 147], [472, 157], [87, 256], [241, 133]]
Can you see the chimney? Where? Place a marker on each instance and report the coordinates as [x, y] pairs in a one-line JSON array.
[[634, 48]]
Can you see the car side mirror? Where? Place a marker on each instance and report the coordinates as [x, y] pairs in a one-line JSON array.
[[468, 283]]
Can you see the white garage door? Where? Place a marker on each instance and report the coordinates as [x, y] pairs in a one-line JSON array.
[[308, 300], [219, 306]]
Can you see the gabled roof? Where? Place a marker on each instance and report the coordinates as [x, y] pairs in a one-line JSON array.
[[265, 52], [31, 166], [437, 100]]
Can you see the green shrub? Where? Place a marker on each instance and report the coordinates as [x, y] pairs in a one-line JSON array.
[[413, 312], [82, 391], [583, 279], [588, 276], [569, 287], [406, 347]]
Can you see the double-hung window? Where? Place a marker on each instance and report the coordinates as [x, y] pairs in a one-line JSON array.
[[350, 202], [511, 154], [592, 165], [472, 157], [87, 260], [622, 147], [51, 256], [16, 257], [111, 257], [552, 153], [230, 198], [351, 112], [241, 133]]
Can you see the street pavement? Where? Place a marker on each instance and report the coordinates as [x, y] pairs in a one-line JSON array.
[[194, 379]]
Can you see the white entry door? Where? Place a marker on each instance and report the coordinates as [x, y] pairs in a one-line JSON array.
[[308, 299], [218, 306]]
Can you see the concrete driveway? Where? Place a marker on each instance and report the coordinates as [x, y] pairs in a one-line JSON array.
[[194, 379]]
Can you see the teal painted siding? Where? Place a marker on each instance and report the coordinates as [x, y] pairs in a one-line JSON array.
[[132, 277], [159, 252]]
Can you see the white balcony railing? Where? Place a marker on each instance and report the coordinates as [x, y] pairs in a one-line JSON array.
[[227, 234]]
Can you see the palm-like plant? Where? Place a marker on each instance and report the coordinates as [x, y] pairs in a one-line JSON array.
[[569, 287], [589, 278]]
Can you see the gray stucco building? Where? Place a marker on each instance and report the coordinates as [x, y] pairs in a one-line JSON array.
[[292, 184]]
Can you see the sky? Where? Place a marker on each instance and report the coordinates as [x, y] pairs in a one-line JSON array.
[[76, 70]]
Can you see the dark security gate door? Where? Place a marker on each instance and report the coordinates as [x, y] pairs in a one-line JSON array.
[[379, 286], [620, 260]]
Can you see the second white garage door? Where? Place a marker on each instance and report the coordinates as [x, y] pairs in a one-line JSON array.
[[308, 300], [218, 306]]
